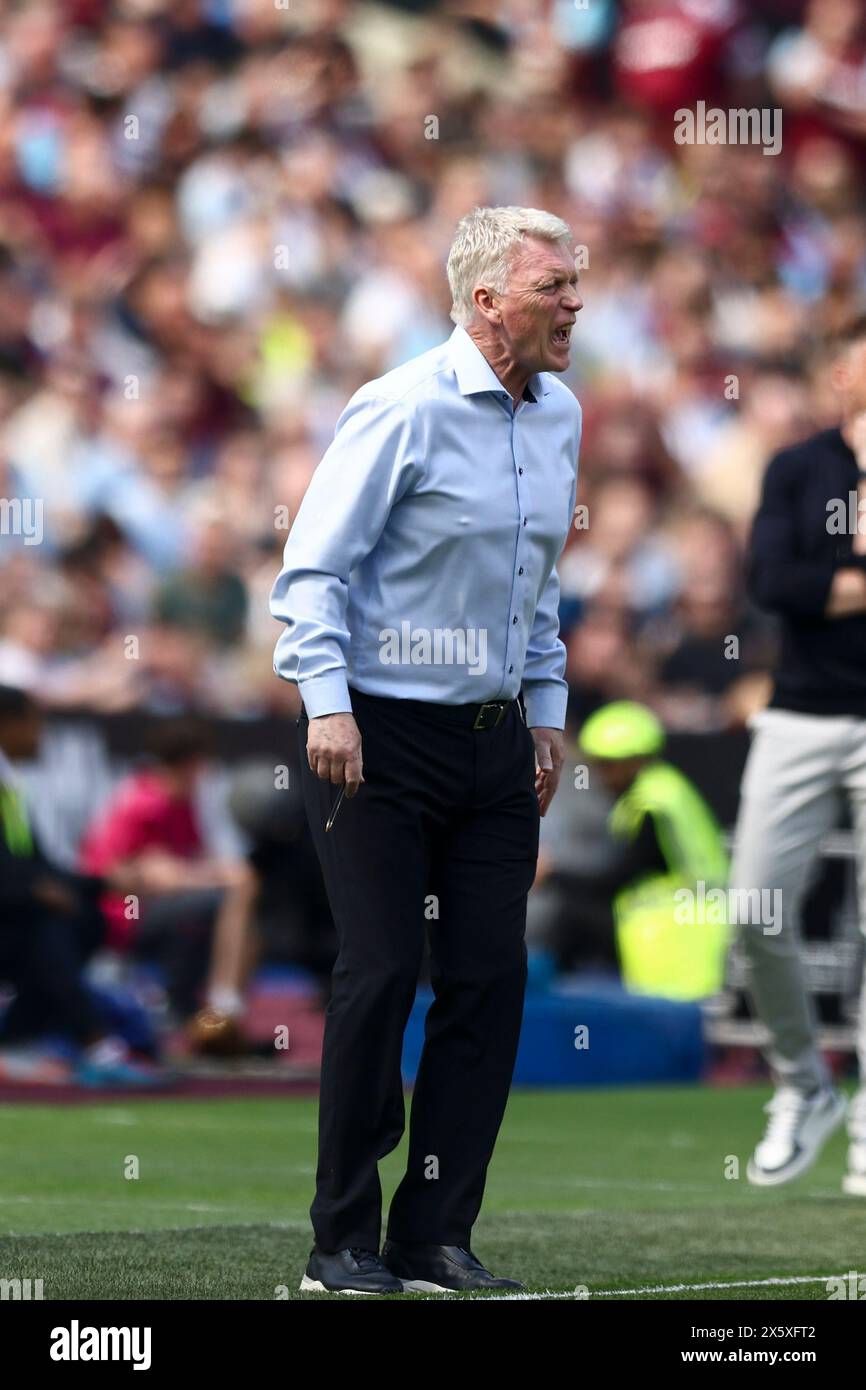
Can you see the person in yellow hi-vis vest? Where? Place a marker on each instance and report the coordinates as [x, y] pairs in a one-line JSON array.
[[668, 893]]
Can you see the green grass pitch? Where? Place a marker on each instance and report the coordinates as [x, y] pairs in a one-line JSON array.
[[611, 1191]]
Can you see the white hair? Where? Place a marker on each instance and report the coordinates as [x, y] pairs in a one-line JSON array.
[[483, 245]]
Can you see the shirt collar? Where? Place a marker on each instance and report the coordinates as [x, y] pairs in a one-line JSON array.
[[474, 373]]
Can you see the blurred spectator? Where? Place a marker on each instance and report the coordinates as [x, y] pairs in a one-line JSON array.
[[618, 551], [711, 640], [773, 415], [218, 219], [208, 596], [49, 928], [200, 203], [625, 910], [292, 911], [190, 913], [819, 69]]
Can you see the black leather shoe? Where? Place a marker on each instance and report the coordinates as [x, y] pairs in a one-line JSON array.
[[348, 1271], [440, 1268]]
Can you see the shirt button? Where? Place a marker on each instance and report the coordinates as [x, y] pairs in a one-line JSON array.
[[514, 619], [524, 521], [510, 669], [520, 471], [520, 571]]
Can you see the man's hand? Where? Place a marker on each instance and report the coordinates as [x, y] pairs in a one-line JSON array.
[[334, 750], [847, 594], [549, 758]]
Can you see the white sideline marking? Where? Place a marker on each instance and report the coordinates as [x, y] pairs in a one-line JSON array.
[[154, 1230], [640, 1185], [668, 1288], [734, 1284]]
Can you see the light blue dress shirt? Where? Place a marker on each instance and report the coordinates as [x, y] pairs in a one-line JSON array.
[[422, 562]]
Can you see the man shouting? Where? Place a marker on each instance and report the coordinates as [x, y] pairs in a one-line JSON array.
[[420, 599]]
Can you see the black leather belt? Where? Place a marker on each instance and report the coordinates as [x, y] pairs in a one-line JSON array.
[[488, 715]]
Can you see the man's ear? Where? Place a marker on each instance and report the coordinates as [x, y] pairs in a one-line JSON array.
[[486, 305]]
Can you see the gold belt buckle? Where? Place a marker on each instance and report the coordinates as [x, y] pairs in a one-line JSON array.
[[481, 722]]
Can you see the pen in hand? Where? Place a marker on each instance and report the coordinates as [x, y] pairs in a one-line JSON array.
[[333, 816]]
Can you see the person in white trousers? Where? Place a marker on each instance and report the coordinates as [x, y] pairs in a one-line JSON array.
[[807, 564]]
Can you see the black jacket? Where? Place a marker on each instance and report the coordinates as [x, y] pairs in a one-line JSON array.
[[794, 552]]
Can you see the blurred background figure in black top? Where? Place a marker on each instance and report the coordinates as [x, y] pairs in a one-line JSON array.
[[50, 925], [807, 565]]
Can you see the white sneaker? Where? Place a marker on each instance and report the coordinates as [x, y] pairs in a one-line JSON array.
[[854, 1181], [797, 1130]]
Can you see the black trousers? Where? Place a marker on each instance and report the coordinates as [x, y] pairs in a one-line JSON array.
[[442, 836]]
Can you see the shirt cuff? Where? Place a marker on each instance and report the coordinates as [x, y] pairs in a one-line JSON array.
[[545, 704], [326, 694]]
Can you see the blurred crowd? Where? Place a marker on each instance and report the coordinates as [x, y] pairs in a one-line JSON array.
[[219, 217]]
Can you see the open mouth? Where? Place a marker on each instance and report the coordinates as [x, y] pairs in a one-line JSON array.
[[562, 336]]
